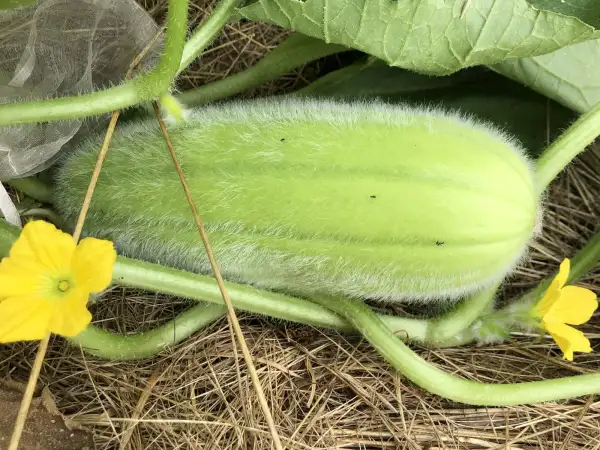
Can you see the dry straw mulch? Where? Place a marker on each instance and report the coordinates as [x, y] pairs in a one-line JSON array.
[[326, 390]]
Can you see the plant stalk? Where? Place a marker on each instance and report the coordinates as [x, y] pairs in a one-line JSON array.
[[295, 51], [567, 146], [438, 382], [157, 278], [461, 318], [117, 347]]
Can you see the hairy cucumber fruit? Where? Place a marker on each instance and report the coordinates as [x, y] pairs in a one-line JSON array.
[[361, 199]]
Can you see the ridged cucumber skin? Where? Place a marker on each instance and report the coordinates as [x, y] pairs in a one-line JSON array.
[[361, 199]]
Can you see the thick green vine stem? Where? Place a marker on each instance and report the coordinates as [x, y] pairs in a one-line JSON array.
[[34, 188], [459, 319], [117, 347], [295, 51], [509, 317], [140, 89], [157, 278], [584, 260], [452, 328], [438, 382], [572, 142]]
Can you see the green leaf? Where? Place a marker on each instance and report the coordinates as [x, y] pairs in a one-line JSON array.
[[587, 11], [429, 36], [534, 119], [570, 76]]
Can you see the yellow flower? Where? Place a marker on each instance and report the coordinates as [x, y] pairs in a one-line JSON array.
[[46, 280], [562, 305]]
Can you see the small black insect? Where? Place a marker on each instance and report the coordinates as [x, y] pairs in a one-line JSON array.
[[439, 243], [372, 196], [282, 139]]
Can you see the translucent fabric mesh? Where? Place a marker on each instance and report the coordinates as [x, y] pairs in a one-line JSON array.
[[57, 48]]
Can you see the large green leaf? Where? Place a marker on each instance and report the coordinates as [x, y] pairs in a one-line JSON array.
[[534, 119], [585, 10], [429, 36], [571, 75]]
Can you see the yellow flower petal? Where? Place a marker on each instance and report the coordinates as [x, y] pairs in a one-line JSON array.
[[19, 279], [93, 264], [568, 339], [41, 242], [563, 273], [551, 296], [574, 306], [24, 319], [71, 316], [46, 281]]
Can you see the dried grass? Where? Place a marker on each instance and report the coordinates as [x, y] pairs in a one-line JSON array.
[[326, 390]]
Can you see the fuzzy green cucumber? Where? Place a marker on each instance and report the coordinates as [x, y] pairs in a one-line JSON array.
[[303, 196]]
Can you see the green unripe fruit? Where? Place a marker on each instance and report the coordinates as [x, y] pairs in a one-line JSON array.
[[362, 199]]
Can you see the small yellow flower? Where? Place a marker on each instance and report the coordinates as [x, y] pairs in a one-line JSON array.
[[562, 305], [46, 280]]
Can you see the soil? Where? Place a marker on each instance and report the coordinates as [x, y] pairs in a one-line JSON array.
[[44, 430]]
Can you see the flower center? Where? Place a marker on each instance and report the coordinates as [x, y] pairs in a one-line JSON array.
[[64, 285]]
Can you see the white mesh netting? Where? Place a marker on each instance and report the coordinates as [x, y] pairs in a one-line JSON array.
[[57, 48]]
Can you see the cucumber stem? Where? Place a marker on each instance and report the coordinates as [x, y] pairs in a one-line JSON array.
[[567, 146], [116, 347], [462, 317], [157, 278], [295, 51], [438, 382]]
